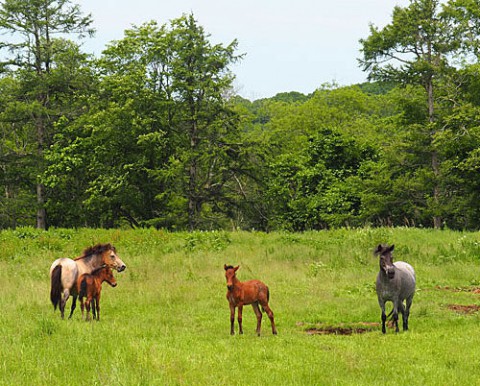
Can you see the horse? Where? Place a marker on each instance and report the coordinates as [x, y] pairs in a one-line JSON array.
[[395, 283], [252, 292], [64, 273], [89, 286]]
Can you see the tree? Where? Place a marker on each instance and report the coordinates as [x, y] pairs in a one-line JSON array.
[[417, 48], [161, 105], [201, 77], [33, 26]]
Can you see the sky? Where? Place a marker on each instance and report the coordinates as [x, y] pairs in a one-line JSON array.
[[289, 45]]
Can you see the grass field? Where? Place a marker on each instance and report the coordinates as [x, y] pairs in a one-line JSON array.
[[167, 321]]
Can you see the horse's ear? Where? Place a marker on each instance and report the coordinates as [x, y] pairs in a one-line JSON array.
[[236, 268], [225, 267], [378, 249], [391, 248]]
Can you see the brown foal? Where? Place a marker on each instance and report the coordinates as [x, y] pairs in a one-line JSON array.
[[252, 292], [90, 286]]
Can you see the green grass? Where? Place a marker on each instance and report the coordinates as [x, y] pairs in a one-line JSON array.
[[167, 321]]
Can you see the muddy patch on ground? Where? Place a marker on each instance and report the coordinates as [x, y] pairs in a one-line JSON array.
[[342, 329], [472, 289], [464, 309]]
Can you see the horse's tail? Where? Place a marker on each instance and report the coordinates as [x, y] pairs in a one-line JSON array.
[[83, 288], [56, 286]]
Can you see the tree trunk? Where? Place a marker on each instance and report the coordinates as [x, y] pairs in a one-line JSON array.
[[437, 220], [193, 202], [41, 212]]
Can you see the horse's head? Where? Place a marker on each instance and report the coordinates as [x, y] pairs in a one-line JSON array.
[[230, 274], [386, 259], [110, 258], [108, 277]]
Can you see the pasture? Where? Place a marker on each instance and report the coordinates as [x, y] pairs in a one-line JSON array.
[[167, 321]]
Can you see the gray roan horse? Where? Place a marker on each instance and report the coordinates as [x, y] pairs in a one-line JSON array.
[[395, 283], [64, 273]]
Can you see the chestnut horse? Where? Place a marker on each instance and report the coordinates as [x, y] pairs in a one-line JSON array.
[[64, 273], [243, 293], [89, 285]]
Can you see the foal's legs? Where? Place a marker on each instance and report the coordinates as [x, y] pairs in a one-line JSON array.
[[258, 313], [269, 312], [82, 306], [96, 304], [232, 319], [240, 311], [88, 304]]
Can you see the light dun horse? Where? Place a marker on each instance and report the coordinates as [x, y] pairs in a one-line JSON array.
[[64, 273], [249, 292], [89, 286], [395, 283]]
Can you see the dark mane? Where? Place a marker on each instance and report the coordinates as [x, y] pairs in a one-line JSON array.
[[97, 249], [229, 267]]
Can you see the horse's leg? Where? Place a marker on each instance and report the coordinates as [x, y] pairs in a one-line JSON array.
[[401, 309], [384, 316], [97, 305], [232, 319], [395, 314], [269, 312], [74, 305], [258, 313], [87, 304], [240, 311], [407, 313], [63, 301], [82, 306]]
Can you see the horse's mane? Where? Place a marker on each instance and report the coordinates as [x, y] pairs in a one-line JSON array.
[[97, 249], [229, 267]]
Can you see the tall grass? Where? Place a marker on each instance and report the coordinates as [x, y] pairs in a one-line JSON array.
[[167, 321]]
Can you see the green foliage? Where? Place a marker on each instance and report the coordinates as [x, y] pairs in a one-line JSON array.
[[151, 134]]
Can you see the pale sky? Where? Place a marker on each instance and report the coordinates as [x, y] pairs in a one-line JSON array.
[[295, 45]]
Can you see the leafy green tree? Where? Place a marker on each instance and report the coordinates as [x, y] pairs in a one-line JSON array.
[[36, 28], [159, 143], [201, 77], [420, 47]]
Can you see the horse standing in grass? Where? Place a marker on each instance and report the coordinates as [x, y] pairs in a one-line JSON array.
[[64, 273], [252, 292], [395, 283], [89, 286]]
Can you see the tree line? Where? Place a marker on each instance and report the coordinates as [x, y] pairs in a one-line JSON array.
[[151, 133]]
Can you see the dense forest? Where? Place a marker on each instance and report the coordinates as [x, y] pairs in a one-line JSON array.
[[151, 133]]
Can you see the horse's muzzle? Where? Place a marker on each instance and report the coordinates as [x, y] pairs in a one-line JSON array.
[[230, 287], [114, 285], [122, 268]]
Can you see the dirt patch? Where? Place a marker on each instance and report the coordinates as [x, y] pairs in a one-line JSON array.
[[359, 328], [464, 309], [473, 289]]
